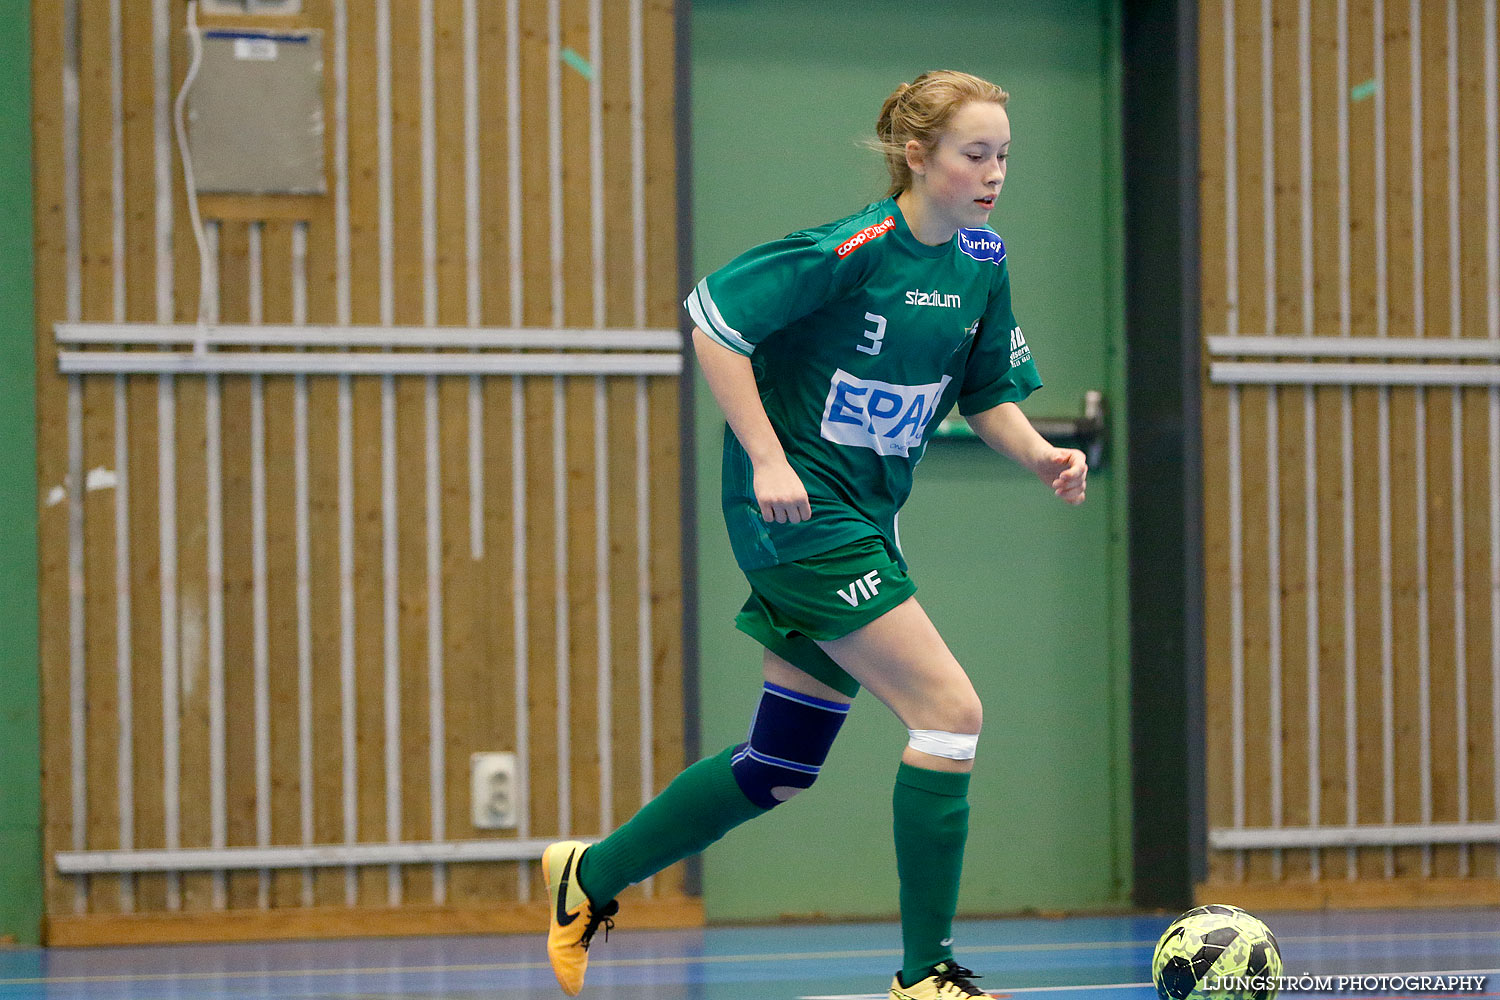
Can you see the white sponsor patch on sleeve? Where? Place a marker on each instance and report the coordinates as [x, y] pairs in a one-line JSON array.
[[1019, 351], [888, 419]]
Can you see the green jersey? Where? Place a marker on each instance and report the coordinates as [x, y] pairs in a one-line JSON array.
[[862, 339]]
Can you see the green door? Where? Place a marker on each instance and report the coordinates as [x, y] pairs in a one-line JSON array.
[[1029, 593]]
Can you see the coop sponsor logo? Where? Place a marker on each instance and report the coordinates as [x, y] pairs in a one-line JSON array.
[[865, 235], [1410, 983], [981, 244], [934, 298], [886, 418]]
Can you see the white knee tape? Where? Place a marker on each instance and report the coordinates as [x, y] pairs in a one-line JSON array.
[[954, 746]]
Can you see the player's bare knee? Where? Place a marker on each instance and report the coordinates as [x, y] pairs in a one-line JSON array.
[[962, 713], [951, 712]]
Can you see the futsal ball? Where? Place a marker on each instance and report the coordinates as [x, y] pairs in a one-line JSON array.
[[1216, 952]]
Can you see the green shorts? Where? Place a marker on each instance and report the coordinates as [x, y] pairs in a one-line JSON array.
[[822, 597]]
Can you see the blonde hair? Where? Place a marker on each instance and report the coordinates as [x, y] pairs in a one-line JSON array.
[[922, 110]]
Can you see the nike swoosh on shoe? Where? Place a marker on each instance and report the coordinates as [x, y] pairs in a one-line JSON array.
[[564, 918]]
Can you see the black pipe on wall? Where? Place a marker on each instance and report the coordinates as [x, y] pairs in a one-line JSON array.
[[1160, 131]]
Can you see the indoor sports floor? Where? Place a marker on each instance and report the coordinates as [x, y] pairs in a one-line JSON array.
[[1076, 958]]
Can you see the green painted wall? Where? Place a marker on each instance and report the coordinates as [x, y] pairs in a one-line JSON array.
[[20, 748], [1030, 594]]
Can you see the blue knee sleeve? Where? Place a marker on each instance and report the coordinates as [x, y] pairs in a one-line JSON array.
[[789, 739]]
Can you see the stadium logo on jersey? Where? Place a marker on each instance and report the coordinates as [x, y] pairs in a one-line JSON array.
[[981, 244], [1019, 352], [934, 298], [888, 419], [865, 235]]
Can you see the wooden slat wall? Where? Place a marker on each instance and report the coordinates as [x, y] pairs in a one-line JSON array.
[[259, 271], [1400, 283]]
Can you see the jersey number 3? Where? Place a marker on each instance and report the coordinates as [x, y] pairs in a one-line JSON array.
[[875, 336]]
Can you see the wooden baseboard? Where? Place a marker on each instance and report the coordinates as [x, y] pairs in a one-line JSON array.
[[98, 929], [259, 207], [1340, 894]]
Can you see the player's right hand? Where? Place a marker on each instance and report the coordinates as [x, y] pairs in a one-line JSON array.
[[781, 495]]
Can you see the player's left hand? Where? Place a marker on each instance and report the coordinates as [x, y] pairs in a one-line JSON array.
[[1066, 471]]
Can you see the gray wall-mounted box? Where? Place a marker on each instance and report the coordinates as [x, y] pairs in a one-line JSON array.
[[252, 6], [255, 113]]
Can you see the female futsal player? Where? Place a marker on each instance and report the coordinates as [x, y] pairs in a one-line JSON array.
[[834, 353]]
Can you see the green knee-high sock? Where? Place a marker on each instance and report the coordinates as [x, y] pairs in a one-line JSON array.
[[701, 804], [931, 811]]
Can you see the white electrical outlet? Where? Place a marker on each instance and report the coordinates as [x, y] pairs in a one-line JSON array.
[[496, 795]]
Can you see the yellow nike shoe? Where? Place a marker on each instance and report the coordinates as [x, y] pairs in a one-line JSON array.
[[573, 919], [949, 981]]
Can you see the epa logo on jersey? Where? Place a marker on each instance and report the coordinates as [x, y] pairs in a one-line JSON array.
[[981, 244], [888, 419]]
